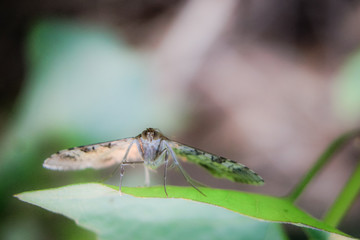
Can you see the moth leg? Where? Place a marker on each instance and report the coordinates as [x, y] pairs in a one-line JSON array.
[[147, 176], [122, 170], [165, 171], [191, 181], [161, 158], [139, 148], [128, 150]]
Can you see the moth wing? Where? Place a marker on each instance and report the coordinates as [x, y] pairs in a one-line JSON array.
[[96, 156], [218, 166]]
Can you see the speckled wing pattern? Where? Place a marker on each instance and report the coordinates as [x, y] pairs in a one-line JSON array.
[[218, 166], [96, 156]]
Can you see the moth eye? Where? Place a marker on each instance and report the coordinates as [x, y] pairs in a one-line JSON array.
[[156, 135], [144, 134]]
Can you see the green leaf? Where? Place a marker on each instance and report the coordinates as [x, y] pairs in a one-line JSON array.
[[253, 205], [114, 216], [144, 212]]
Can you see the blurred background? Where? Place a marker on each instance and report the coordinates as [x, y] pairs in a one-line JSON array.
[[267, 83]]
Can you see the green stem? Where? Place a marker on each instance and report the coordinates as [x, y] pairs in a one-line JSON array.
[[345, 199], [334, 147]]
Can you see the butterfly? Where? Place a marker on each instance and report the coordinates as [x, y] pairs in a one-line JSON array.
[[152, 149]]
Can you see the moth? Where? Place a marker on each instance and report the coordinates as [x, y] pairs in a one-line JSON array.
[[152, 149]]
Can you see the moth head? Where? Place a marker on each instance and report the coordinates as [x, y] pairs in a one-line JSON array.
[[150, 134]]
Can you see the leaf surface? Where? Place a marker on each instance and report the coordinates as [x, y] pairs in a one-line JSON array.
[[142, 213]]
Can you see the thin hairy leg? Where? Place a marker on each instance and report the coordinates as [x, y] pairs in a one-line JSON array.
[[191, 181], [122, 170], [118, 166], [147, 176], [165, 171], [128, 150]]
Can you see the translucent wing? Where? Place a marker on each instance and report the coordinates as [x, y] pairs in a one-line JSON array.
[[96, 156], [218, 166]]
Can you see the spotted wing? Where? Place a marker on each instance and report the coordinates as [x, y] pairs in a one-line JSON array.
[[96, 156], [218, 166]]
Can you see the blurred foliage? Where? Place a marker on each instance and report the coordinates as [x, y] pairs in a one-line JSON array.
[[84, 84], [347, 90]]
